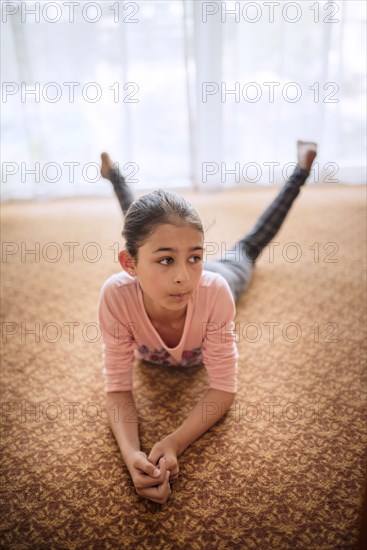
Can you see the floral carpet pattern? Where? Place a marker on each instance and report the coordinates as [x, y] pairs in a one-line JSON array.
[[284, 469]]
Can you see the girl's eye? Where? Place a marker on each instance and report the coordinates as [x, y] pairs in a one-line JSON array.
[[169, 259], [163, 260]]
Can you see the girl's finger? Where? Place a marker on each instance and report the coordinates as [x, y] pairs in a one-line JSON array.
[[147, 467], [147, 479], [158, 493]]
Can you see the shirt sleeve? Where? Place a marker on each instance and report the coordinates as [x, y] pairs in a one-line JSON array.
[[220, 353], [117, 347]]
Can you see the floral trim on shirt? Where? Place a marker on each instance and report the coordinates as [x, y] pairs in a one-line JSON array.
[[192, 357], [156, 356], [161, 356]]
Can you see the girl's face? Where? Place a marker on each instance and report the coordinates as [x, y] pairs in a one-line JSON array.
[[169, 267]]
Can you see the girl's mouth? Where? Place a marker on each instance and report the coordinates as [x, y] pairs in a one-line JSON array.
[[179, 297]]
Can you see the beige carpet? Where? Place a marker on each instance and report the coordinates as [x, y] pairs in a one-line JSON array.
[[285, 468]]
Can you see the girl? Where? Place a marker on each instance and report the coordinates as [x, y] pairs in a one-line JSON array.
[[167, 308]]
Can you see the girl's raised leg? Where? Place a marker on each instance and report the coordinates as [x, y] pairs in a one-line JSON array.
[[237, 263], [110, 171]]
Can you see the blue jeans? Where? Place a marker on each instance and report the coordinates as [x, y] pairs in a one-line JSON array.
[[237, 263]]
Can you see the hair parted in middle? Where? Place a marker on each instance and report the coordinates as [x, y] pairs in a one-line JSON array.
[[153, 209]]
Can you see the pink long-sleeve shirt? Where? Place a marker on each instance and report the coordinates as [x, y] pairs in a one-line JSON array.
[[208, 337]]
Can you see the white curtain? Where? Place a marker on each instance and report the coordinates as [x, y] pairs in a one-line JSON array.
[[182, 94]]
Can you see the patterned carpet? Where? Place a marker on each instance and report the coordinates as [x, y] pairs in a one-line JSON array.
[[284, 469]]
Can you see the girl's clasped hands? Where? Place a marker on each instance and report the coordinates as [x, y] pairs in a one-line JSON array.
[[152, 474]]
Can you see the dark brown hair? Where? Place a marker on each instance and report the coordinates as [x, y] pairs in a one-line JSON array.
[[153, 209]]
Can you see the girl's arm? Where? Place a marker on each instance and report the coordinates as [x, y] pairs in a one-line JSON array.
[[150, 481], [212, 406], [123, 417], [220, 356]]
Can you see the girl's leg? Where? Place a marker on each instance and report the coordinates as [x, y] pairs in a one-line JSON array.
[[236, 264], [272, 218], [122, 190], [237, 274]]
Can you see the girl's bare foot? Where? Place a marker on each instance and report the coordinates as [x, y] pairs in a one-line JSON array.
[[306, 153], [106, 166]]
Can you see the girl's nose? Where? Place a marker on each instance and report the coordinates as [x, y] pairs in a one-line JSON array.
[[181, 275]]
